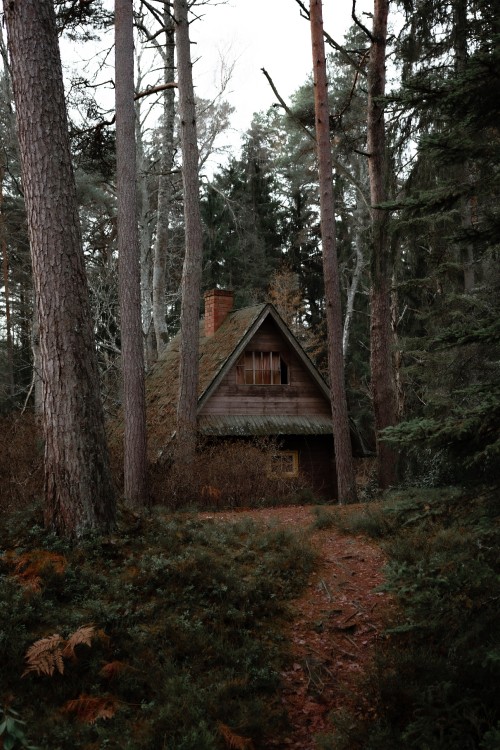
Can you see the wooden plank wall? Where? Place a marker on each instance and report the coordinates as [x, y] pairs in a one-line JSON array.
[[316, 462], [301, 397]]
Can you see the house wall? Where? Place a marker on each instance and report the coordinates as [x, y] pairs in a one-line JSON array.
[[301, 397], [316, 462]]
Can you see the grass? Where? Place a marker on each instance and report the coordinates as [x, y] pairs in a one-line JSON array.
[[187, 613]]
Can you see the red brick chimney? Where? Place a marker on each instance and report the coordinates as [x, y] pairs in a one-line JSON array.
[[218, 303]]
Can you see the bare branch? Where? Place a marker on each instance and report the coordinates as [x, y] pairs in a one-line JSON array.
[[155, 89], [285, 106], [338, 166], [343, 53], [358, 22]]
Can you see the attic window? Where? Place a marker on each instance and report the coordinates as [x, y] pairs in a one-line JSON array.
[[262, 368]]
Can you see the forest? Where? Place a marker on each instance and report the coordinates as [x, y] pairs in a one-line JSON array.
[[366, 209]]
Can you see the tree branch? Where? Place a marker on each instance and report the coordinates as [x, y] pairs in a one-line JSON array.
[[343, 53], [358, 23], [285, 106], [146, 92], [155, 89], [338, 166]]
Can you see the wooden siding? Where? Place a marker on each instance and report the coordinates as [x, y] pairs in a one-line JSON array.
[[301, 397], [316, 463]]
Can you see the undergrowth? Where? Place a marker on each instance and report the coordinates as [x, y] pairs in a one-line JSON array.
[[164, 636], [436, 678]]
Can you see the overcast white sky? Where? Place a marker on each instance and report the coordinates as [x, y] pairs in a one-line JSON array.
[[251, 34], [258, 34]]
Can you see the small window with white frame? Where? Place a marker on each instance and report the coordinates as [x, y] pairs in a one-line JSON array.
[[262, 368]]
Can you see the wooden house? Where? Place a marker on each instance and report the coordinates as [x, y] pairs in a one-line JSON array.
[[254, 380]]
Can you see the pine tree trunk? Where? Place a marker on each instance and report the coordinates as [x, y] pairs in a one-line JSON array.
[[461, 55], [359, 265], [161, 246], [37, 382], [145, 237], [6, 286], [134, 402], [341, 431], [381, 341], [191, 272], [79, 496]]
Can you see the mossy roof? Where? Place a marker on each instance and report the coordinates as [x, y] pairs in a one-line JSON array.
[[162, 383], [217, 354]]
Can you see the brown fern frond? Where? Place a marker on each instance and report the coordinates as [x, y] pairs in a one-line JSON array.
[[90, 708], [113, 668], [32, 584], [234, 741], [83, 636], [45, 656], [30, 566], [104, 637], [38, 560]]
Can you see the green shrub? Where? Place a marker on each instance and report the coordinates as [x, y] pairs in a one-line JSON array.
[[187, 615], [435, 682]]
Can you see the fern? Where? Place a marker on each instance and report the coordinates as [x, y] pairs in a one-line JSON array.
[[83, 636], [45, 656], [89, 708], [234, 741], [30, 567]]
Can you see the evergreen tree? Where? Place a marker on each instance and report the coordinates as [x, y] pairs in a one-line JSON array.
[[452, 356], [243, 221]]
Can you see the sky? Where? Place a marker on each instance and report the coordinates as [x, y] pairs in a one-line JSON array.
[[256, 34], [248, 35]]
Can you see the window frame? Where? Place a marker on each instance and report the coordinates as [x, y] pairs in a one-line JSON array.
[[255, 375], [280, 473]]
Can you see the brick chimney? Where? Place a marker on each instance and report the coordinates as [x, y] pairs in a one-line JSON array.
[[218, 303]]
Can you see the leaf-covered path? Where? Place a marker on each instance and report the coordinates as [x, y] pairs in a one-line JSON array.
[[334, 627]]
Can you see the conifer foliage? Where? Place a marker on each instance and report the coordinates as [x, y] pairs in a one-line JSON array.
[[451, 210]]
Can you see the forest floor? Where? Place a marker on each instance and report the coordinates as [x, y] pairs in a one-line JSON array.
[[334, 626]]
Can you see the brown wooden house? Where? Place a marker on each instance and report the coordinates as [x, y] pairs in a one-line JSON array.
[[255, 380]]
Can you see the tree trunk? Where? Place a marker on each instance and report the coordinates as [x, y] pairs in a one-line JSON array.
[[164, 194], [341, 431], [381, 341], [134, 402], [359, 265], [79, 495], [37, 382], [145, 239], [191, 272], [464, 176], [6, 286]]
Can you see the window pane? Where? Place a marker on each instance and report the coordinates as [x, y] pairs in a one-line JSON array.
[[261, 368]]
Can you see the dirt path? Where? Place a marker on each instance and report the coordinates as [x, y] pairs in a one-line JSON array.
[[337, 622]]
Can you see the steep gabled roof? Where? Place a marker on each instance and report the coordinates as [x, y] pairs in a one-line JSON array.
[[218, 354]]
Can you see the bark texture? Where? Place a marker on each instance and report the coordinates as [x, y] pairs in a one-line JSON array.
[[79, 495], [341, 432], [381, 340], [464, 176], [191, 272], [161, 245], [6, 285], [134, 400]]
